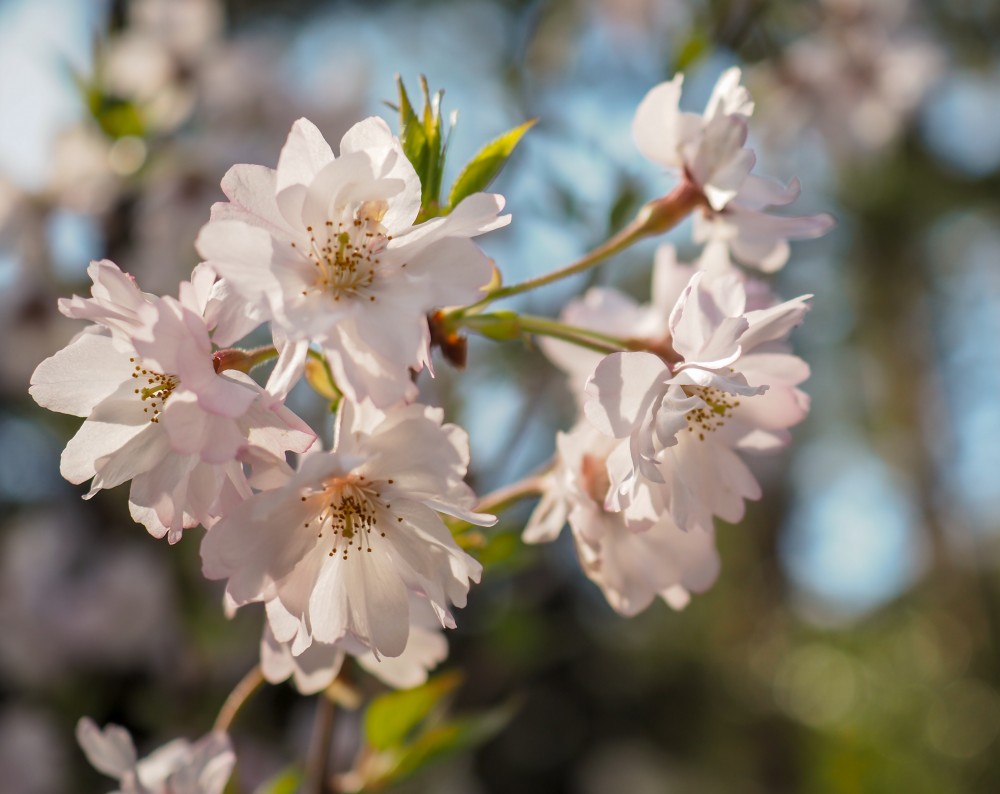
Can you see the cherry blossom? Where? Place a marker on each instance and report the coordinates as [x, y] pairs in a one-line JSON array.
[[725, 382], [325, 248], [336, 548], [706, 150], [178, 767], [155, 410], [632, 564], [708, 153]]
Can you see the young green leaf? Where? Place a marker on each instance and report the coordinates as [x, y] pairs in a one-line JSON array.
[[452, 737], [483, 168], [394, 716]]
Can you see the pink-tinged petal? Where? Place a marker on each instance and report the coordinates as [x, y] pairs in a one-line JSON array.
[[363, 374], [776, 322], [110, 751], [241, 254], [323, 196], [80, 376], [210, 767], [192, 431], [260, 541], [452, 272], [140, 454], [707, 323], [252, 189], [474, 215], [720, 163], [729, 97], [289, 368], [229, 315], [621, 390], [774, 367], [304, 155], [369, 133], [313, 670], [425, 649], [759, 192], [94, 442], [379, 606], [329, 613], [654, 127], [158, 499], [547, 519], [670, 278]]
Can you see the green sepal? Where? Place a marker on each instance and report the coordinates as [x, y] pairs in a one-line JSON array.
[[501, 326]]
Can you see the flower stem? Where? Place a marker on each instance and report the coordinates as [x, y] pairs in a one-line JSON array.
[[249, 684], [507, 325], [505, 497], [656, 217], [317, 780], [499, 500]]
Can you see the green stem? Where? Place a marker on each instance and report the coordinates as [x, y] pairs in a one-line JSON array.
[[656, 217], [502, 498], [508, 325]]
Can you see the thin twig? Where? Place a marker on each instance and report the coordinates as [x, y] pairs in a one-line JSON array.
[[317, 780], [240, 694]]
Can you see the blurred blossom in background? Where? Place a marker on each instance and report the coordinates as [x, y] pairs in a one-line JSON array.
[[853, 640]]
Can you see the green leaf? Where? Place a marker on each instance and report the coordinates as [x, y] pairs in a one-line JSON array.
[[285, 782], [695, 48], [482, 169], [451, 738], [394, 716]]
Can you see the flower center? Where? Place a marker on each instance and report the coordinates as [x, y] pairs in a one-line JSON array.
[[344, 254], [713, 414], [351, 509], [156, 391]]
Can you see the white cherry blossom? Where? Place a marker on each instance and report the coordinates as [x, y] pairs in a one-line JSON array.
[[707, 150], [178, 767], [336, 548], [728, 384], [325, 248], [631, 563], [708, 153], [155, 411]]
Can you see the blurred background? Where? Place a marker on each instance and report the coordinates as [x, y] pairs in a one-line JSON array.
[[852, 642]]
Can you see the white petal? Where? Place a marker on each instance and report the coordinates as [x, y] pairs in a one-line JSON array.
[[304, 155], [655, 126], [621, 390], [80, 375], [110, 751]]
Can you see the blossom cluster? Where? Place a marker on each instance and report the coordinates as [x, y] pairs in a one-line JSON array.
[[706, 376], [347, 548]]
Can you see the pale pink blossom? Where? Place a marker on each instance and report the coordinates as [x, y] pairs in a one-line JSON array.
[[325, 248], [178, 767], [708, 153], [631, 563], [706, 150], [336, 548], [726, 383], [156, 412]]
